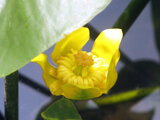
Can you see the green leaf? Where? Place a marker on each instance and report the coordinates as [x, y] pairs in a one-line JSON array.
[[62, 109], [29, 27], [125, 96]]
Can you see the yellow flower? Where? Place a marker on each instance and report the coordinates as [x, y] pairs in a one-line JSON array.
[[80, 74]]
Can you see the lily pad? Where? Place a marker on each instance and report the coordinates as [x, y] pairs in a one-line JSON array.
[[29, 27]]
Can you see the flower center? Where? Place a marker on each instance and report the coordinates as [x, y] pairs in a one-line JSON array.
[[84, 59], [82, 69]]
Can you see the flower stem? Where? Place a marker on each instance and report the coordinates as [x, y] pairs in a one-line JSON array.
[[11, 96], [130, 14], [126, 19], [156, 24]]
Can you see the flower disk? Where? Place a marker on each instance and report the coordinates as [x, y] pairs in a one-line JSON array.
[[82, 69]]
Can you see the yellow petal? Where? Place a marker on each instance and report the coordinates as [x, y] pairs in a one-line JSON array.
[[76, 93], [76, 40], [49, 72], [107, 43], [112, 73], [55, 88]]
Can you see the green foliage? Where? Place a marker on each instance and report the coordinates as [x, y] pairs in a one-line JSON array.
[[62, 109], [29, 27], [125, 96]]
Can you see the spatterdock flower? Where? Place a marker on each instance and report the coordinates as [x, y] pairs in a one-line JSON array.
[[80, 74]]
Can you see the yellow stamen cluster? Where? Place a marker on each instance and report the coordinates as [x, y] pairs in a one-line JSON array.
[[82, 69], [84, 59]]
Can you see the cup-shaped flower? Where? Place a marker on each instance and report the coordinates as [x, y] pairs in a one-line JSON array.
[[80, 74]]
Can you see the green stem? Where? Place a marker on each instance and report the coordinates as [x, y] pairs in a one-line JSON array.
[[126, 19], [11, 96], [130, 14], [156, 21]]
